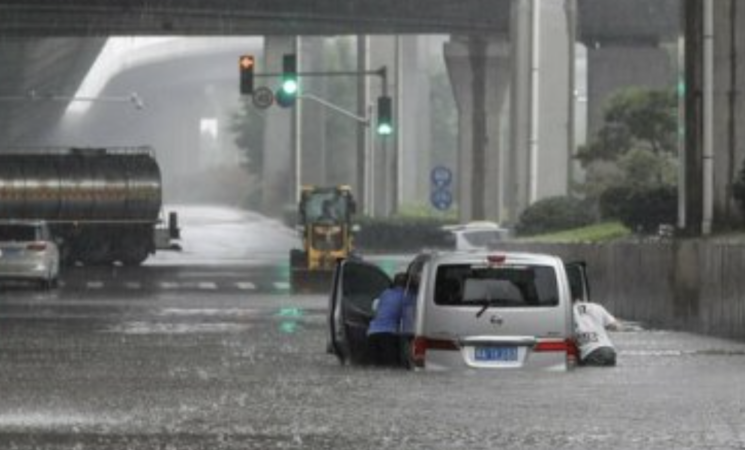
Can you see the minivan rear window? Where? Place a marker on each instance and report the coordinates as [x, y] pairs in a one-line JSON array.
[[504, 286], [17, 233]]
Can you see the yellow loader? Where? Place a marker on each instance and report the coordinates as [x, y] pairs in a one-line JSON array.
[[324, 221]]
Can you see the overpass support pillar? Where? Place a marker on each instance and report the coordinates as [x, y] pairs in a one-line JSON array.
[[728, 136], [278, 188], [729, 110], [479, 71], [314, 159], [539, 157]]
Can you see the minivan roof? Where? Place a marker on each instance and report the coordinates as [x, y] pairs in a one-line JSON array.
[[479, 256]]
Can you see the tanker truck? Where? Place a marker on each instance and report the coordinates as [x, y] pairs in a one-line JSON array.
[[102, 205]]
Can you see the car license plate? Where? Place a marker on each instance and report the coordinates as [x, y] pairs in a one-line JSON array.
[[10, 252], [496, 354]]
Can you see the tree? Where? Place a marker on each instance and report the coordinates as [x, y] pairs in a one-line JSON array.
[[247, 126], [637, 144], [635, 118]]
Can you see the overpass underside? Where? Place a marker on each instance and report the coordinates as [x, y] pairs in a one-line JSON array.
[[245, 17]]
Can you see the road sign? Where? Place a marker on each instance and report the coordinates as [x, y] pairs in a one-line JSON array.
[[263, 97], [441, 176], [441, 199]]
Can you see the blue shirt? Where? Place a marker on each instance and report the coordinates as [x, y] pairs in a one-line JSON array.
[[389, 312]]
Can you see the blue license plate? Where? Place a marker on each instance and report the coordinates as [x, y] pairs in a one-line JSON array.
[[507, 354], [11, 251]]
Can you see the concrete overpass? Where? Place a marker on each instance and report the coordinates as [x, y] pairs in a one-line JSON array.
[[626, 41]]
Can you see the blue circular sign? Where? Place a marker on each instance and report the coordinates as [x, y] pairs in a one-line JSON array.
[[441, 176], [441, 199]]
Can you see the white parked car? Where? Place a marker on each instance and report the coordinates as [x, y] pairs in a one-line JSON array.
[[28, 252], [478, 310], [480, 235]]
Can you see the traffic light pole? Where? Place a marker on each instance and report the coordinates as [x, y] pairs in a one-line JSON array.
[[364, 120], [368, 161]]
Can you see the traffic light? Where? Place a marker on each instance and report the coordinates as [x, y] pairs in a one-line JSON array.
[[385, 115], [288, 90], [246, 64], [289, 74]]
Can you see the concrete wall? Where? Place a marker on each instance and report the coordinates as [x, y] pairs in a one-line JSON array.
[[692, 285]]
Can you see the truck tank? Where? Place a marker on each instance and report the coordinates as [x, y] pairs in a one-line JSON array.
[[102, 204]]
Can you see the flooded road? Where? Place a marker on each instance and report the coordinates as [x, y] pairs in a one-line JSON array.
[[194, 352]]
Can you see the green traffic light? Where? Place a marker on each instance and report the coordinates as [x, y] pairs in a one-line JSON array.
[[385, 129], [290, 86]]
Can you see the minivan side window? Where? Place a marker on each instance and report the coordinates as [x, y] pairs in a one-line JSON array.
[[504, 286]]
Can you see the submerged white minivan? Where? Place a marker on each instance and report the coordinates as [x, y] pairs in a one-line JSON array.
[[483, 309]]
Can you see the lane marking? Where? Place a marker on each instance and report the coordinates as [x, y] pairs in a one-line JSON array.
[[133, 285], [282, 285], [94, 285], [246, 286], [207, 285], [169, 285]]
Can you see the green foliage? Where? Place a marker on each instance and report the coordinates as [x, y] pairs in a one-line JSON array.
[[602, 232], [643, 168], [614, 200], [554, 214], [636, 146], [247, 125], [401, 233], [642, 209], [635, 119], [424, 210]]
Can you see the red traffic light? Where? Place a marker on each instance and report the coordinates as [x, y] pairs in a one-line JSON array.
[[246, 65], [246, 62]]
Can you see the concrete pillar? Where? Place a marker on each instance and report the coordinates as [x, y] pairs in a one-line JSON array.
[[479, 73], [314, 157], [517, 176], [556, 92], [413, 121], [729, 111], [527, 181], [278, 189]]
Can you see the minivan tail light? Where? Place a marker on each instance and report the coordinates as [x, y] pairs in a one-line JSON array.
[[496, 258], [419, 351], [564, 345], [552, 346], [37, 246], [422, 344]]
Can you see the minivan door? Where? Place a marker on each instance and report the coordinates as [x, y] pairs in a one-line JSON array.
[[356, 285], [578, 283]]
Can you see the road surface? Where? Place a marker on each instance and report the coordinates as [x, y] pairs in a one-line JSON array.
[[208, 349]]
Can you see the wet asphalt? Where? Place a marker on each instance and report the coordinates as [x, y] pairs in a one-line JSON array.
[[195, 352]]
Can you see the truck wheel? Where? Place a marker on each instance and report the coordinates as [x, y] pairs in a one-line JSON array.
[[133, 257], [298, 258]]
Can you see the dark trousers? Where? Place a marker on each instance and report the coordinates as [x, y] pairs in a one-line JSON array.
[[603, 356], [385, 349]]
